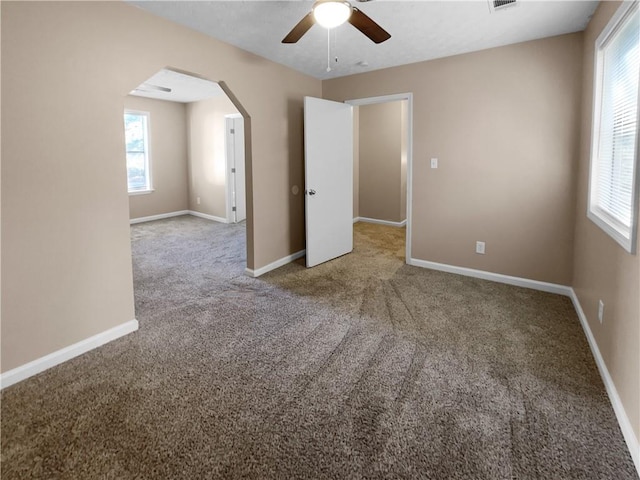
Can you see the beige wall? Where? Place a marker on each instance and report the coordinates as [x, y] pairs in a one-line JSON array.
[[602, 269], [380, 144], [207, 161], [67, 68], [168, 147], [504, 125]]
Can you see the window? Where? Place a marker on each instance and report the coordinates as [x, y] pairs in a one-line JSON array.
[[136, 135], [613, 180]]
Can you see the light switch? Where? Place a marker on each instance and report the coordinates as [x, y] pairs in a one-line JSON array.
[[434, 163]]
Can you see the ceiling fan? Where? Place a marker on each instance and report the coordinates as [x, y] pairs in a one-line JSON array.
[[332, 13]]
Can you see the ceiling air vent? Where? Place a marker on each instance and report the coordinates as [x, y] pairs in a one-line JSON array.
[[497, 5]]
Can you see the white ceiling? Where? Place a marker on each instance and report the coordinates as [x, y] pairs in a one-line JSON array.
[[184, 88], [420, 30]]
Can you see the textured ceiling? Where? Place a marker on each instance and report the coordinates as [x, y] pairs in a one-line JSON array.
[[420, 30], [184, 88]]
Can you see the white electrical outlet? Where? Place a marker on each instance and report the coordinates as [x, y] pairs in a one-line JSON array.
[[198, 200], [480, 248], [600, 310], [434, 163]]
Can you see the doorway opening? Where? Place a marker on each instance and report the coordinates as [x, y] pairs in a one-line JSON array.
[[184, 151], [187, 140], [383, 153]]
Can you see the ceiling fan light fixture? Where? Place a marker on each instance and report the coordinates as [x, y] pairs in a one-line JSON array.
[[331, 13]]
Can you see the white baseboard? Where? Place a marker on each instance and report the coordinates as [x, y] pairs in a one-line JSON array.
[[207, 216], [276, 264], [177, 214], [495, 277], [618, 408], [158, 217], [380, 222], [44, 363]]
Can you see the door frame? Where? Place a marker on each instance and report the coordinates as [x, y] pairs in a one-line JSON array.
[[229, 140], [393, 98]]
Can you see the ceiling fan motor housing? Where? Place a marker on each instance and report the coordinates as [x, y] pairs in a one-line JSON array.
[[331, 13]]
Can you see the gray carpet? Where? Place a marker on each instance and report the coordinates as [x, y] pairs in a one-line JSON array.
[[359, 368]]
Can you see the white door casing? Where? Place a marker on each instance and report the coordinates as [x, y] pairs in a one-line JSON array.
[[409, 139], [235, 169], [328, 138]]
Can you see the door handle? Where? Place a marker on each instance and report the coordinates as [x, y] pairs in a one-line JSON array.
[[311, 192]]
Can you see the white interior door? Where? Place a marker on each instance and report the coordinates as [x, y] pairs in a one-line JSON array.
[[328, 139], [236, 209]]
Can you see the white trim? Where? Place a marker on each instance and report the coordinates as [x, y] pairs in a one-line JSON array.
[[273, 265], [133, 193], [381, 99], [625, 236], [494, 277], [616, 403], [392, 98], [229, 147], [380, 222], [207, 216], [177, 214], [233, 121], [151, 218], [44, 363]]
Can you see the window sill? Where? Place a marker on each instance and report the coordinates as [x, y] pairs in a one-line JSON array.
[[141, 192], [623, 236]]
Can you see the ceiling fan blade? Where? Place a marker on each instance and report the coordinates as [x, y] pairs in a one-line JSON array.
[[371, 29], [300, 29]]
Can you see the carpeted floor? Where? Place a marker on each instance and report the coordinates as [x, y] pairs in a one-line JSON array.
[[362, 367]]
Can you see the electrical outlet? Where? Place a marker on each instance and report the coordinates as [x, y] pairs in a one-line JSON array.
[[198, 200], [480, 248], [434, 163], [600, 310]]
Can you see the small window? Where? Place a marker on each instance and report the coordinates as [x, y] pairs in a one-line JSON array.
[[613, 180], [136, 134]]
